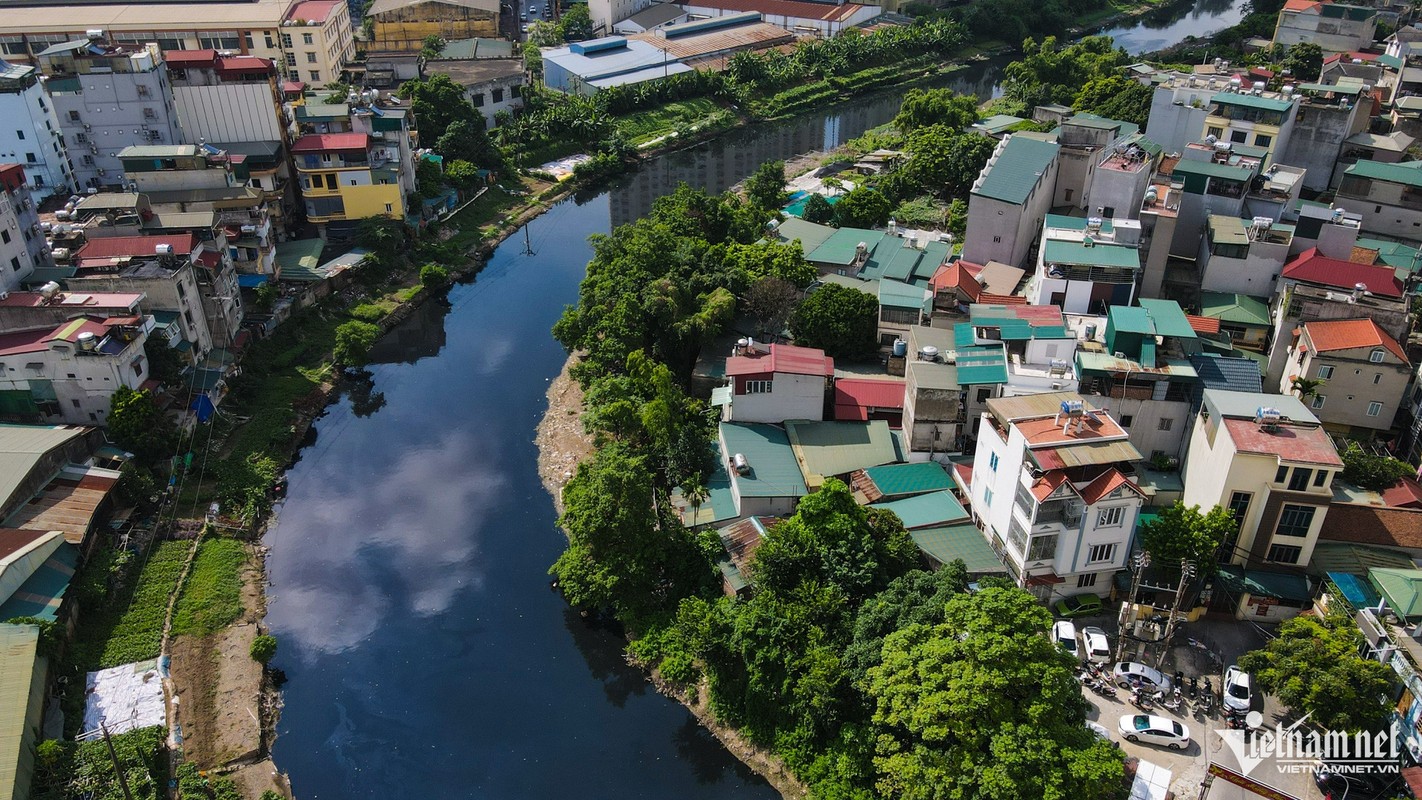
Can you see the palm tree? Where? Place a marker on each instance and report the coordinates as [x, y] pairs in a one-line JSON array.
[[1305, 387], [695, 491]]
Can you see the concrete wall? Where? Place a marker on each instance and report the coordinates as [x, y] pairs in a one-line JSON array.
[[230, 112], [113, 107], [927, 410], [790, 397], [1382, 209], [1354, 383], [1317, 138], [1146, 417], [1174, 122], [1157, 233], [404, 29], [162, 294], [1255, 274], [1333, 35], [29, 113], [999, 231], [511, 97], [22, 247], [82, 384], [800, 26], [1123, 192]]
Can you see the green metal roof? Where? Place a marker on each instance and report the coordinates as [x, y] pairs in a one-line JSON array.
[[1209, 169], [810, 234], [773, 469], [998, 123], [958, 543], [1228, 230], [720, 504], [897, 479], [19, 645], [1107, 363], [1145, 143], [1394, 254], [1073, 223], [1131, 319], [1402, 588], [1097, 255], [1018, 322], [1250, 101], [1019, 168], [1168, 317], [299, 258], [1281, 585], [43, 591], [893, 294], [1406, 173], [926, 510], [841, 246], [1237, 308], [826, 449], [982, 365], [1354, 558], [892, 258], [1103, 123]]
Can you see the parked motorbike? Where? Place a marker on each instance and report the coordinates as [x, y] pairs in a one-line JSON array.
[[1207, 699], [1105, 689], [1192, 690], [1171, 703], [1235, 720], [1141, 700]]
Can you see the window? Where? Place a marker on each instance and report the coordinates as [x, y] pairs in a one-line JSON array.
[[20, 134], [1294, 520], [1165, 424], [1100, 552], [311, 58], [1281, 475], [997, 240], [315, 75], [88, 160], [992, 460], [1127, 419], [1320, 477], [389, 207], [307, 38], [759, 387], [987, 497], [1215, 132], [1377, 379], [286, 40], [478, 99], [1319, 400], [75, 402], [4, 236], [498, 95], [1238, 137], [1239, 505], [1110, 517], [515, 92], [73, 116], [1017, 536], [1325, 372], [983, 395], [291, 59], [1067, 195], [1298, 482], [149, 113], [1086, 581], [1044, 548], [15, 263], [1284, 554], [294, 75], [251, 44], [1376, 356], [1260, 140], [1374, 408]]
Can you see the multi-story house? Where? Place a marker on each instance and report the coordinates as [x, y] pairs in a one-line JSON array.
[[491, 84], [1336, 27], [1388, 197], [1254, 118], [317, 41], [1143, 373], [1086, 265], [1243, 256], [1010, 200], [775, 383], [108, 97], [402, 25], [223, 98], [1081, 139], [1268, 460], [1123, 175], [1364, 372], [22, 244], [1052, 492], [1245, 320], [1328, 118], [367, 172], [69, 372], [33, 140], [1178, 107]]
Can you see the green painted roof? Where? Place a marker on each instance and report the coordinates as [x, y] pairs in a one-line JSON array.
[[315, 111], [1406, 173], [1070, 253], [997, 123], [1250, 101], [1073, 223], [1103, 123], [1228, 230], [1356, 559], [841, 245], [1284, 586], [958, 543], [1168, 317], [43, 591], [720, 502], [810, 234], [1238, 308], [19, 645], [1401, 587], [982, 365], [926, 510], [1016, 322], [900, 295], [1210, 169], [826, 449], [773, 470], [1394, 254], [299, 258], [1131, 319], [897, 479], [1145, 143], [891, 258], [1019, 168]]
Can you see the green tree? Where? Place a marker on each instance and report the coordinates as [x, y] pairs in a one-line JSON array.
[[766, 186], [749, 263], [944, 163], [772, 300], [1313, 667], [924, 107], [461, 173], [264, 649], [1116, 97], [433, 276], [544, 34], [533, 60], [429, 179], [984, 705], [1049, 73], [862, 208], [958, 218], [432, 46], [576, 23], [139, 426], [1368, 471], [818, 210], [917, 598], [1181, 532], [164, 364], [842, 321], [353, 342], [383, 237], [466, 140], [1304, 61], [437, 102], [265, 297], [1304, 388]]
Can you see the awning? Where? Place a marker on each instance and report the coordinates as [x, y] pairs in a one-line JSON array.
[[1279, 585], [1049, 579], [249, 281]]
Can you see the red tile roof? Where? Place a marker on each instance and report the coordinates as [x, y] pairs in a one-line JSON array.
[[135, 246], [1406, 493], [1203, 324], [1043, 487], [1350, 334], [1004, 300], [318, 10], [1288, 442], [292, 87], [853, 397], [957, 276], [322, 142], [1356, 54], [783, 358], [209, 258], [787, 8], [1106, 483], [180, 58], [1375, 525], [1301, 5], [964, 473], [1311, 267], [245, 64]]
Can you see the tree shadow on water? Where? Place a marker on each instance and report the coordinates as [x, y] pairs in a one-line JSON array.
[[710, 761], [601, 643]]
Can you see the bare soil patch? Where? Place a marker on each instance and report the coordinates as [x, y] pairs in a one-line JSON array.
[[562, 443]]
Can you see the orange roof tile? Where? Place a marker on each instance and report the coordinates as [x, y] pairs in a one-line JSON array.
[[1203, 324], [1106, 483], [1043, 487], [1350, 334]]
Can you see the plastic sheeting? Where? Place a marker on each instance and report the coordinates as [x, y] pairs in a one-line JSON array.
[[124, 698]]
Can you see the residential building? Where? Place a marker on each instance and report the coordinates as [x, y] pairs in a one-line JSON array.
[[491, 84], [839, 449], [69, 372], [1254, 118], [1243, 257], [1052, 493], [266, 167], [1336, 27], [586, 67], [756, 473], [1010, 200], [1228, 180], [1082, 139], [225, 98], [870, 255], [1364, 371], [367, 172], [22, 244], [776, 383], [865, 399], [1159, 213], [402, 25], [607, 13], [934, 396], [317, 41], [1245, 320], [388, 71], [1386, 196], [1178, 107], [1123, 175], [1328, 117], [1086, 265], [1333, 231], [33, 140], [51, 306], [1268, 460], [108, 97], [1143, 373], [959, 285]]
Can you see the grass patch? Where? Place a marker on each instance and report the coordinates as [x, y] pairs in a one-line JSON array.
[[550, 151], [470, 221], [212, 597], [129, 627], [681, 116]]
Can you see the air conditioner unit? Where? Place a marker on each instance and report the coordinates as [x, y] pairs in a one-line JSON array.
[[103, 172], [88, 127]]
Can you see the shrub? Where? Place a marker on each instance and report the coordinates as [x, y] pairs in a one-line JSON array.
[[434, 276], [368, 312], [264, 648], [353, 342]]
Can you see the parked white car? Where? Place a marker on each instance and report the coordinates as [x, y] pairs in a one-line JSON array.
[[1150, 677], [1150, 729], [1064, 634], [1098, 646], [1238, 689]]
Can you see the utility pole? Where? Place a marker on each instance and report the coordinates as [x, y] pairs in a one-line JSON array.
[[1138, 565], [1187, 573], [118, 770], [527, 243]]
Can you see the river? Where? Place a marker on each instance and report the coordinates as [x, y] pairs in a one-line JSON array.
[[427, 656]]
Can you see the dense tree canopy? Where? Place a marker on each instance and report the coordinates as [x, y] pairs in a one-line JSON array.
[[772, 300], [139, 426], [945, 163], [766, 186], [1049, 72], [1371, 471], [842, 321], [1116, 97], [1181, 532], [439, 104], [923, 107], [863, 208]]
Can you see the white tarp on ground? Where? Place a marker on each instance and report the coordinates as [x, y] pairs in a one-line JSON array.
[[123, 698], [562, 169], [1152, 782]]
